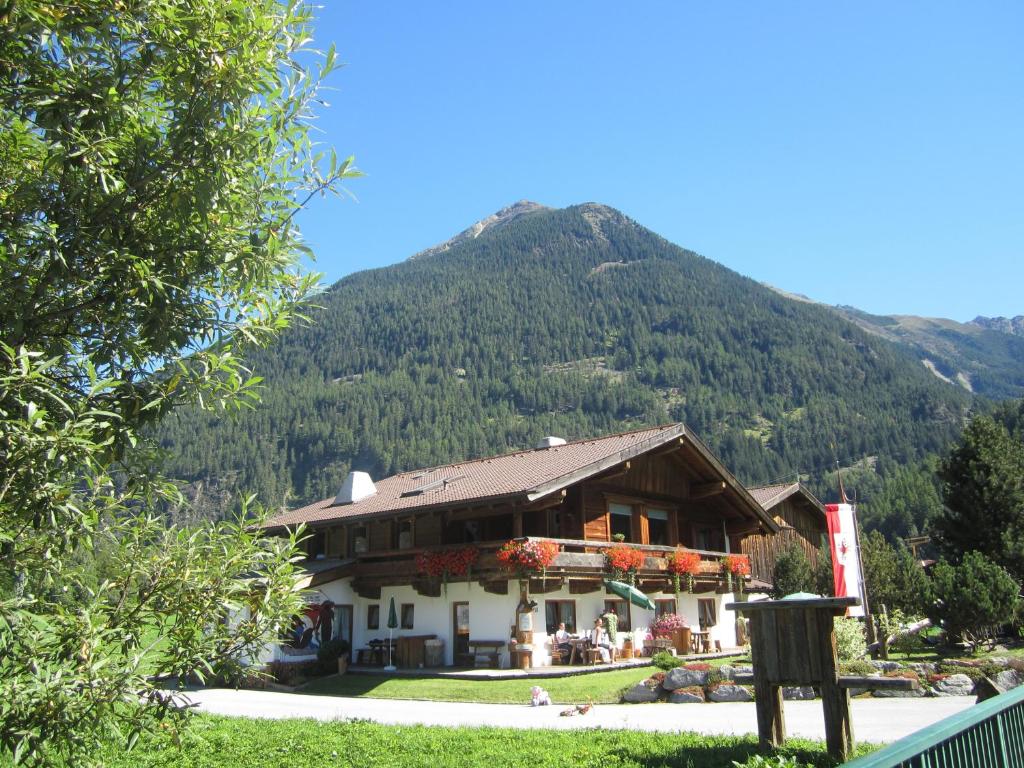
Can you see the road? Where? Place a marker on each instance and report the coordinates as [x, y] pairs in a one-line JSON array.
[[874, 720]]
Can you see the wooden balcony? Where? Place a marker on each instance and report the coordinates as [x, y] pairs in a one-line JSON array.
[[580, 564]]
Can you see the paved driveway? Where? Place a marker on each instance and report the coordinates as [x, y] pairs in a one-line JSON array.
[[874, 720]]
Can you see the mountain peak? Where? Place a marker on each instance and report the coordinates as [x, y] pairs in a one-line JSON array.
[[494, 221]]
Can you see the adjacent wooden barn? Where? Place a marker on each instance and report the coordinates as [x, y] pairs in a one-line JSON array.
[[800, 517]]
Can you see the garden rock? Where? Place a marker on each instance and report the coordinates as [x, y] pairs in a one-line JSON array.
[[797, 692], [886, 666], [685, 697], [954, 685], [914, 693], [1007, 679], [681, 677], [640, 694], [923, 669], [727, 671], [730, 693]]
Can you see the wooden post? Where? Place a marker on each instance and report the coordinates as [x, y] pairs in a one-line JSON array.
[[834, 700], [793, 642]]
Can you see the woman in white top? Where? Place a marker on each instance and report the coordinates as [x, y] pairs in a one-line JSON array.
[[599, 640]]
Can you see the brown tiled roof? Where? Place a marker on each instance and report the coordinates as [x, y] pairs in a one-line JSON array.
[[766, 495], [529, 474], [770, 495]]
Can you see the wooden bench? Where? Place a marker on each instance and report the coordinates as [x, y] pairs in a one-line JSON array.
[[491, 649]]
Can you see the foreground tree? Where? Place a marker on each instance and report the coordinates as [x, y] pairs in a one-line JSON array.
[[983, 494], [894, 579], [792, 572], [972, 599], [152, 156]]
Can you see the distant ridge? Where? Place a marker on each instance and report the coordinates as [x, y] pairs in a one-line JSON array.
[[1011, 325]]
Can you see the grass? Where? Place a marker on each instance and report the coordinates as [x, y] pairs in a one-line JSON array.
[[600, 687], [221, 742]]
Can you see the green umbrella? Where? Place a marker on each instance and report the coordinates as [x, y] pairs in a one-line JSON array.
[[392, 625], [634, 595]]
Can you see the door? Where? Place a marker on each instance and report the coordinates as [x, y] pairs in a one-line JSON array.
[[460, 635], [343, 620]]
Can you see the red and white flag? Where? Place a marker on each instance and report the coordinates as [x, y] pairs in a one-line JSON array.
[[842, 535]]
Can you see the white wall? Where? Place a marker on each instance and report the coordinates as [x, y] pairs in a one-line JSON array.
[[491, 616]]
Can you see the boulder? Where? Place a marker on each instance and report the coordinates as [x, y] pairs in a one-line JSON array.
[[954, 685], [640, 694], [913, 693], [885, 666], [797, 692], [727, 671], [1007, 679], [923, 669], [986, 689], [686, 696], [681, 677], [728, 692]]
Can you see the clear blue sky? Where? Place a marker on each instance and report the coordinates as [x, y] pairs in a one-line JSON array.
[[859, 153]]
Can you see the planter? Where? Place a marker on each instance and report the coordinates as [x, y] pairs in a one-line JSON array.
[[627, 649], [343, 664]]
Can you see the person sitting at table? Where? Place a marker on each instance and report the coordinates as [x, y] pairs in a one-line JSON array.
[[562, 641], [599, 640]]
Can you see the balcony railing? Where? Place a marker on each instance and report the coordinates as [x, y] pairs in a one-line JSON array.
[[577, 558]]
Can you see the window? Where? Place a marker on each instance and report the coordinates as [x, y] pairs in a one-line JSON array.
[[621, 611], [360, 542], [706, 612], [657, 527], [557, 612], [316, 545], [621, 520], [373, 616], [405, 534], [661, 607], [407, 615], [709, 539]]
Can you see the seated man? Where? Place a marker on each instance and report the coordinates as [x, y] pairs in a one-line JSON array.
[[599, 640], [561, 641]]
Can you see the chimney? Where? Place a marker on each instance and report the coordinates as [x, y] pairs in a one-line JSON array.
[[357, 486], [550, 442]]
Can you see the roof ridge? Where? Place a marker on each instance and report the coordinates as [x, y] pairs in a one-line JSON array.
[[577, 441]]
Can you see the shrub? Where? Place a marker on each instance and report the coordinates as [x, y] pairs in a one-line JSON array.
[[665, 660], [850, 644], [760, 761], [856, 667], [329, 653], [792, 572], [972, 598]]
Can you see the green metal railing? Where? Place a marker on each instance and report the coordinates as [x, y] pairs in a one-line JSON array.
[[988, 735]]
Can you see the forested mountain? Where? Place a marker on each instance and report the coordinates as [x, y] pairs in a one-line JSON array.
[[985, 356], [572, 322]]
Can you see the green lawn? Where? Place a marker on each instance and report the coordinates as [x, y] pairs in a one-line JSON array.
[[599, 687], [220, 742]]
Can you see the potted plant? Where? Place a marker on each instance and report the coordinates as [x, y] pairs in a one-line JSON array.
[[683, 562], [332, 656], [674, 626], [738, 566]]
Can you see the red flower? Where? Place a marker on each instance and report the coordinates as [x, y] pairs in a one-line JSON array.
[[683, 561], [624, 559], [527, 555], [737, 565], [448, 562]]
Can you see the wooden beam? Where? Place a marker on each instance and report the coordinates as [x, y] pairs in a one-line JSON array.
[[427, 587], [366, 591], [544, 586], [583, 586], [704, 490], [517, 524], [499, 587]]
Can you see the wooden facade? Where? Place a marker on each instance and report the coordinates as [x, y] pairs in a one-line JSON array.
[[801, 520], [673, 495]]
